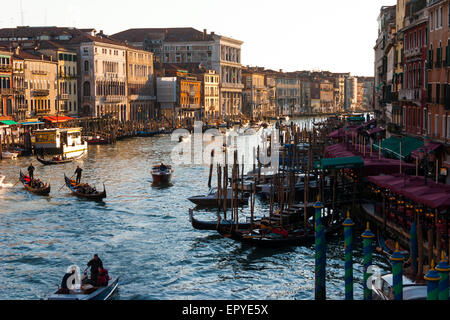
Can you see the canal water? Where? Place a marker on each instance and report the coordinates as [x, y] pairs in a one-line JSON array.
[[143, 235]]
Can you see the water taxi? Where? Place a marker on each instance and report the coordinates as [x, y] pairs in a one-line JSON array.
[[66, 142]]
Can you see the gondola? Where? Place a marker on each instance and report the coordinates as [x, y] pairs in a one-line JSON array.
[[387, 248], [274, 238], [56, 161], [87, 292], [211, 199], [162, 174], [44, 191], [213, 225], [71, 184]]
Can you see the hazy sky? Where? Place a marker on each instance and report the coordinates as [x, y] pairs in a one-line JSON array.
[[332, 35]]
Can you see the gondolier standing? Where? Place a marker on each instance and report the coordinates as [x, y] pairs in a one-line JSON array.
[[31, 172], [78, 172]]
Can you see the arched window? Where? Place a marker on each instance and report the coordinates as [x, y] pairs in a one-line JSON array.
[[86, 89], [86, 66]]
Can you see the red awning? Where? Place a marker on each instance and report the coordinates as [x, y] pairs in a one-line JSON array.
[[426, 150], [58, 118]]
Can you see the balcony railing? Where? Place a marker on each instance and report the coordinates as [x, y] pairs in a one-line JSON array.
[[5, 68], [39, 72], [410, 95], [64, 96], [6, 91], [40, 93], [42, 111]]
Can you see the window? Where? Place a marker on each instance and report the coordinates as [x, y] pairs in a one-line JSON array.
[[431, 21], [441, 14], [86, 89], [86, 66]]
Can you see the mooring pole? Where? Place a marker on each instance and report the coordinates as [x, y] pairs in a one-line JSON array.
[[414, 246], [432, 278], [320, 247], [348, 245], [397, 273], [367, 260], [443, 268]]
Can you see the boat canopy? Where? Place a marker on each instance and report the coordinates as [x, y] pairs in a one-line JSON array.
[[340, 163]]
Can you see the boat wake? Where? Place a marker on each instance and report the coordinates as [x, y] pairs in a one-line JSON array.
[[5, 185]]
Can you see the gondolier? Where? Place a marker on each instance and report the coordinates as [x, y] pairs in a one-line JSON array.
[[95, 264], [31, 172], [78, 172]]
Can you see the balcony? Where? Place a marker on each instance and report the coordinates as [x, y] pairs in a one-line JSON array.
[[39, 72], [19, 90], [42, 112], [64, 96], [6, 91], [5, 68], [414, 95], [40, 93]]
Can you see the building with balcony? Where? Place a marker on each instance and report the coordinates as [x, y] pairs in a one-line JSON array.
[[412, 96], [40, 82], [140, 78], [255, 100], [102, 81], [6, 83], [384, 48], [187, 45], [437, 113], [67, 98]]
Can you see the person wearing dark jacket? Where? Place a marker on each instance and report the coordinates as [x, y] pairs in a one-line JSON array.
[[31, 172], [78, 172], [95, 263]]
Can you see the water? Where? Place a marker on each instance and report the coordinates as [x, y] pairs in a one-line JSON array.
[[144, 235]]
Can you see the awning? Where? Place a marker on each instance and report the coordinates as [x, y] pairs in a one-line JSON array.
[[58, 119], [419, 153], [356, 119], [30, 123], [340, 163], [8, 122], [391, 146]]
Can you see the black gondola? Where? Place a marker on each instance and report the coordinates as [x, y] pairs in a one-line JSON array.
[[213, 225], [76, 189], [44, 191]]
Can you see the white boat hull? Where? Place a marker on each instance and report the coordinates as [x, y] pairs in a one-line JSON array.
[[75, 151]]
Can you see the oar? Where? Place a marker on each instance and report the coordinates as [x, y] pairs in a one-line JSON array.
[[65, 183], [16, 183]]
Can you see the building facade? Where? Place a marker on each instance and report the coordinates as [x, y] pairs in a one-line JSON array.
[[140, 85], [188, 45], [6, 83], [40, 82], [67, 98]]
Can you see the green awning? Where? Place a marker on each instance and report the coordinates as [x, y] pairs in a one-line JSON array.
[[8, 122], [391, 147], [340, 163], [356, 119]]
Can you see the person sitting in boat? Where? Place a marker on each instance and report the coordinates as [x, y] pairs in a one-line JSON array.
[[103, 277], [64, 288], [163, 167], [95, 264]]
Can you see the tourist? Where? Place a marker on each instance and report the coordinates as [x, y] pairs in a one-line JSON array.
[[95, 263]]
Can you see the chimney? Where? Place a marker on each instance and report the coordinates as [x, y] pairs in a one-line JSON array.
[[212, 33], [204, 34]]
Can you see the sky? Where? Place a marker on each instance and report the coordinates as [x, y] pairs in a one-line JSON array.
[[336, 36]]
